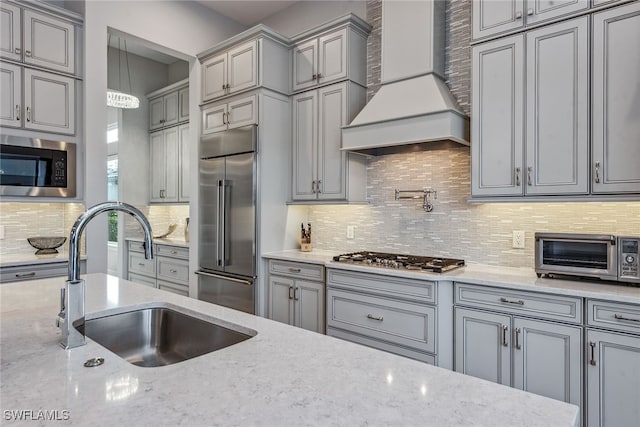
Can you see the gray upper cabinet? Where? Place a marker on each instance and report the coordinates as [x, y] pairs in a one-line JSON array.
[[49, 102], [492, 17], [497, 117], [230, 72], [11, 99], [169, 106], [329, 54], [321, 171], [164, 165], [615, 108], [48, 42], [557, 129], [10, 32]]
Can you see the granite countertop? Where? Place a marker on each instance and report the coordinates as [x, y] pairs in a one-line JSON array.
[[166, 241], [282, 376], [17, 260], [503, 277]]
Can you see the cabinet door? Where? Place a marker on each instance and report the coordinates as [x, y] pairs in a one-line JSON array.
[[332, 56], [332, 110], [243, 67], [172, 150], [540, 10], [171, 109], [557, 109], [309, 305], [183, 104], [184, 181], [49, 102], [547, 359], [48, 42], [615, 106], [214, 77], [10, 41], [281, 299], [10, 88], [157, 164], [305, 66], [214, 118], [497, 118], [242, 112], [305, 134], [613, 379], [495, 16], [156, 113], [482, 345]]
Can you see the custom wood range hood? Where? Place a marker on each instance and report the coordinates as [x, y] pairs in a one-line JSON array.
[[413, 106]]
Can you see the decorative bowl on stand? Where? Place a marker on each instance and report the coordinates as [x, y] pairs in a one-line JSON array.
[[46, 245]]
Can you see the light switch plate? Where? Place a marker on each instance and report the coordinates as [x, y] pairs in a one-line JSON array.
[[351, 231]]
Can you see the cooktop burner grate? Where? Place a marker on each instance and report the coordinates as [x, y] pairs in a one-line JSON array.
[[397, 261]]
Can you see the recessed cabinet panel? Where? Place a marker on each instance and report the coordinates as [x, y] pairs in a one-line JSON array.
[[332, 60], [540, 10], [214, 77], [615, 106], [184, 170], [170, 109], [495, 16], [497, 129], [10, 40], [156, 113], [482, 345], [242, 112], [243, 67], [49, 102], [309, 300], [171, 175], [214, 119], [183, 104], [557, 114], [48, 42], [157, 163], [10, 101], [331, 160], [305, 57], [305, 112]]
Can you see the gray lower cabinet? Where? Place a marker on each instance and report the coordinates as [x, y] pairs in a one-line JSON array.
[[38, 271], [389, 313], [296, 294], [613, 364], [615, 106], [538, 355], [168, 270]]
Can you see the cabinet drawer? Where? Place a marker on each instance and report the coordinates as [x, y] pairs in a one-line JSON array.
[[297, 270], [394, 287], [172, 251], [614, 315], [138, 264], [567, 309], [136, 246], [33, 272], [173, 269], [174, 288], [143, 280], [408, 324]]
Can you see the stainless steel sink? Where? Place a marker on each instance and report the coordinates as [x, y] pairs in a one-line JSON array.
[[159, 336]]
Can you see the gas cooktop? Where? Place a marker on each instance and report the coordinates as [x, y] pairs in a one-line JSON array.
[[404, 262]]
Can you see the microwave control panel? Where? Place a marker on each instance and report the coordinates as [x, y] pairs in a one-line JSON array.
[[629, 259]]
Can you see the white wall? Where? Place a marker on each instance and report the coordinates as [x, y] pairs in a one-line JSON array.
[[305, 15], [179, 28]]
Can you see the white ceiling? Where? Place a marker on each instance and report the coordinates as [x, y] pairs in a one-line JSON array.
[[247, 12]]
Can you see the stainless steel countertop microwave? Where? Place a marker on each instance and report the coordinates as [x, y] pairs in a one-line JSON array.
[[606, 257], [36, 167]]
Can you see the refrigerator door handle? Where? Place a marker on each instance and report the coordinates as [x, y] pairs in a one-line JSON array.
[[231, 279], [218, 227], [223, 221]]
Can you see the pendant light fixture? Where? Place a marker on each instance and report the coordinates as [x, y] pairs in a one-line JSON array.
[[117, 98]]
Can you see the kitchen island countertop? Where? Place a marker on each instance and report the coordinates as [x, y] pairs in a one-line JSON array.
[[281, 376], [480, 274]]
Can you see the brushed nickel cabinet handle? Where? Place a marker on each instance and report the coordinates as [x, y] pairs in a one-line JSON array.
[[529, 11], [28, 114], [27, 52], [318, 76], [505, 328], [628, 319], [173, 271], [17, 112], [313, 187], [372, 317], [592, 362], [597, 172], [295, 293], [318, 190], [518, 15], [508, 301], [290, 292], [224, 86], [17, 51], [294, 270], [517, 177], [141, 264], [314, 76], [20, 275], [529, 172], [518, 346]]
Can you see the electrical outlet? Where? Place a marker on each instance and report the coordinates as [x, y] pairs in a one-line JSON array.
[[351, 231], [518, 239]]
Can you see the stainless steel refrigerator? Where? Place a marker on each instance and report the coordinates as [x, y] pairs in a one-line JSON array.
[[227, 248]]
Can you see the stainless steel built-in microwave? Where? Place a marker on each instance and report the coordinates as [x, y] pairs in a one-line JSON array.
[[37, 167], [604, 257]]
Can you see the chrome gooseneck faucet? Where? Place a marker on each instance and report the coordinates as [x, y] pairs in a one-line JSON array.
[[71, 314]]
